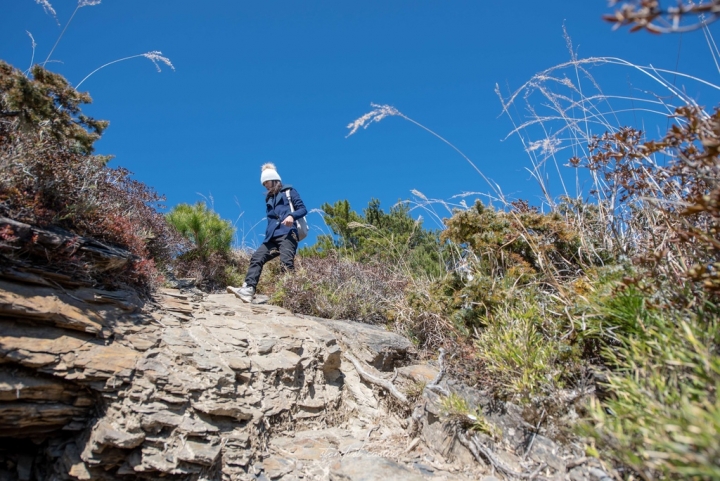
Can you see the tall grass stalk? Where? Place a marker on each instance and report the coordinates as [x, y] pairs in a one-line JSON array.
[[380, 112], [574, 112], [428, 205], [33, 44], [48, 9], [154, 56]]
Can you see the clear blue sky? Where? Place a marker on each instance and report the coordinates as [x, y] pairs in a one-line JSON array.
[[279, 81]]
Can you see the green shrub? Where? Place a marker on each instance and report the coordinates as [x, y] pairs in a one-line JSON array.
[[203, 227], [208, 259], [506, 251], [392, 237], [521, 243]]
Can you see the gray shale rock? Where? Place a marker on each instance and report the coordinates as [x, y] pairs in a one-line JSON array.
[[197, 384], [97, 385]]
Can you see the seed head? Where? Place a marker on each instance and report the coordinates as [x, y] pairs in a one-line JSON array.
[[156, 56], [378, 113], [45, 4]]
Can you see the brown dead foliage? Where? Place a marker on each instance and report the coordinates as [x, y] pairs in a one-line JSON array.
[[50, 178]]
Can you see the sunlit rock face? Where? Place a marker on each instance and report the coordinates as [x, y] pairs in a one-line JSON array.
[[99, 384]]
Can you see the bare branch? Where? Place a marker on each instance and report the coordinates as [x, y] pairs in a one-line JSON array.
[[651, 16]]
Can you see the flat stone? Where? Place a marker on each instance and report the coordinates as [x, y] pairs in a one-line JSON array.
[[203, 362], [443, 442], [148, 408], [106, 434], [545, 451], [196, 427], [265, 346], [31, 359], [158, 368], [306, 449], [21, 385], [28, 419], [31, 345], [177, 305], [227, 335], [421, 373], [48, 304], [159, 419], [177, 337], [276, 467], [279, 361], [169, 398], [109, 359], [172, 293], [238, 363], [373, 344], [368, 467], [141, 342], [200, 453], [154, 459], [227, 408]]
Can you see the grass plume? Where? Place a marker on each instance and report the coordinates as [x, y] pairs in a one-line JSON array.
[[154, 56]]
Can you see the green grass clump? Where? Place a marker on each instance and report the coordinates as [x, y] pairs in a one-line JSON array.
[[662, 416], [457, 406], [520, 359]]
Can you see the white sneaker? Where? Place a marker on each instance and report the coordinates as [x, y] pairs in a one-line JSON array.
[[244, 293]]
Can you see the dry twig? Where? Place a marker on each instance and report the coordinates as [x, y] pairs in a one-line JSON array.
[[477, 448], [434, 385]]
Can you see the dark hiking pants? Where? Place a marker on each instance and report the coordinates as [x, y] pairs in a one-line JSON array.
[[284, 247]]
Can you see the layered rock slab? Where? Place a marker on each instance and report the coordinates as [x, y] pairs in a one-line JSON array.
[[207, 387], [192, 384]]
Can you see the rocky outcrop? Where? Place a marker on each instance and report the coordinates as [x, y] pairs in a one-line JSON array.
[[101, 385], [42, 242]]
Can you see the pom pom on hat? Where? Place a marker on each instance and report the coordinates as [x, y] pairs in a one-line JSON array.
[[269, 172]]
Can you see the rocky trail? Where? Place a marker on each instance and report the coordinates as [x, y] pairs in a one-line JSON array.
[[101, 385]]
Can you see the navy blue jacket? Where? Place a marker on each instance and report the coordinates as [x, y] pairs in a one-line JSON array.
[[278, 209]]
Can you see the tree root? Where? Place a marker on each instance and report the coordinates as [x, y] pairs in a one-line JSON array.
[[378, 381], [477, 448]]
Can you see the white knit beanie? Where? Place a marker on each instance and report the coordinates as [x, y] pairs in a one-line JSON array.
[[269, 172]]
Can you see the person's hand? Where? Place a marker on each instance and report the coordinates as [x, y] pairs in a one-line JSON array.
[[289, 221]]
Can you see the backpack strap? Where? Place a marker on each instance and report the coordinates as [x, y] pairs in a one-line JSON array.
[[287, 192]]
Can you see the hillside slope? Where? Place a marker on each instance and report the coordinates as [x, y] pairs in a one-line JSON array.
[[99, 384]]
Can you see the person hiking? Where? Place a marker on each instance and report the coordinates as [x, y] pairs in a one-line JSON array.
[[284, 208]]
